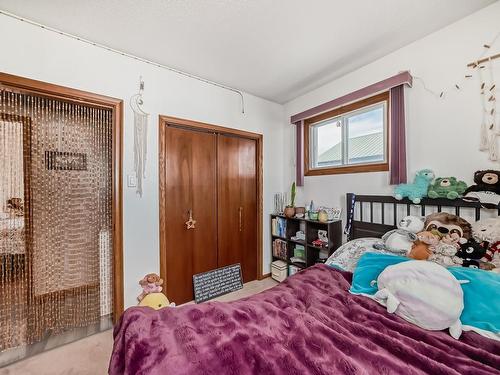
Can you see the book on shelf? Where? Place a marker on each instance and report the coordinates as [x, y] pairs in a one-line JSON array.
[[279, 227], [280, 249], [299, 251], [297, 260]]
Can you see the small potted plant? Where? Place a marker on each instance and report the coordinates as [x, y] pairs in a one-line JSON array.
[[290, 209]]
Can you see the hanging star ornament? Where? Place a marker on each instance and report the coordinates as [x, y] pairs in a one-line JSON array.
[[190, 224]]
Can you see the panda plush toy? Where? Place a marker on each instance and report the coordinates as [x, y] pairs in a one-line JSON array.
[[486, 190]]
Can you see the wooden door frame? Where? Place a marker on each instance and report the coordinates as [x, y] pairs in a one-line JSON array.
[[116, 106], [163, 122]]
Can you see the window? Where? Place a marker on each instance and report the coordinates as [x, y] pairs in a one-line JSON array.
[[349, 139]]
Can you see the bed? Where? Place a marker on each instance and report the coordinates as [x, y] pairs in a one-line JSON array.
[[309, 324]]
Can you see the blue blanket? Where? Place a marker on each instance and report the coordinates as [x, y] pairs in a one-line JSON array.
[[481, 293]]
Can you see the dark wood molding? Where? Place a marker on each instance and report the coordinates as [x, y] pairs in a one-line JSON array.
[[265, 276], [165, 121], [344, 169], [378, 167], [116, 105]]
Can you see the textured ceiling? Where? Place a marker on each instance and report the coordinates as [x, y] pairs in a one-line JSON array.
[[275, 49]]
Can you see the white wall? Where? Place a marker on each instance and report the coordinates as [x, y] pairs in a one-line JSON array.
[[441, 134], [31, 52]]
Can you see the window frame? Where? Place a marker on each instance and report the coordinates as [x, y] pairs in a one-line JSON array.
[[342, 111]]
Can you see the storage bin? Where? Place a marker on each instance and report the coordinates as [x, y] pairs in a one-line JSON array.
[[279, 270]]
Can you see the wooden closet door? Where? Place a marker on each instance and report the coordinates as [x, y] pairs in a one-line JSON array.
[[191, 182], [237, 203]]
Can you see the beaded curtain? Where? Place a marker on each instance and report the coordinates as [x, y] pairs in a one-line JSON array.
[[55, 216]]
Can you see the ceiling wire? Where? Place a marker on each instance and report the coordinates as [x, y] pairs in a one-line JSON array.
[[125, 54]]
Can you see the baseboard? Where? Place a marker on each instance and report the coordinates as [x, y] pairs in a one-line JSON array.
[[264, 276]]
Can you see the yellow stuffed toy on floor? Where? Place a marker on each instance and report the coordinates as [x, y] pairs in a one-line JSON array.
[[156, 301]]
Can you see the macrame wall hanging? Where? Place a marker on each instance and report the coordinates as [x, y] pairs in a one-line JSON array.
[[489, 125], [140, 136], [484, 67]]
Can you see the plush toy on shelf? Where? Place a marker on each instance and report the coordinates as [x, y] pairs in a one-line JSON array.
[[486, 190], [446, 187], [418, 189], [400, 240]]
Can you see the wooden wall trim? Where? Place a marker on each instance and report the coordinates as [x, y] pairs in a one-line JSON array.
[[116, 105], [196, 125]]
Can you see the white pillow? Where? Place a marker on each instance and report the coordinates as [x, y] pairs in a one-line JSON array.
[[347, 256], [423, 293]]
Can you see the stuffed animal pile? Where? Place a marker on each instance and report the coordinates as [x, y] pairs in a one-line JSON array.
[[486, 189], [449, 240]]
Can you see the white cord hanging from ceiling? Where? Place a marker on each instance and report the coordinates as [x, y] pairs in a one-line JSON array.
[[140, 136], [146, 61]]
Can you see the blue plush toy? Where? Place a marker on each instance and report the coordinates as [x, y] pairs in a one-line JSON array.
[[416, 191]]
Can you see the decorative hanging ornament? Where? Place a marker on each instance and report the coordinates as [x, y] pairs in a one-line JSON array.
[[140, 136], [492, 113]]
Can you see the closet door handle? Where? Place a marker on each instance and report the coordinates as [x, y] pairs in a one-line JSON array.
[[240, 211]]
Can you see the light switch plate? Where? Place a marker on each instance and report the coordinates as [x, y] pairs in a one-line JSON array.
[[131, 181]]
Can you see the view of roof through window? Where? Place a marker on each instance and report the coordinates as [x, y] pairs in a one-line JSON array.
[[363, 135]]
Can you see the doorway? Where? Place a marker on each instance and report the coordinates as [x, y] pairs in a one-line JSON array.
[[60, 215]]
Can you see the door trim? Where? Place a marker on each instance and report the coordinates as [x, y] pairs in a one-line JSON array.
[[165, 121], [116, 105]]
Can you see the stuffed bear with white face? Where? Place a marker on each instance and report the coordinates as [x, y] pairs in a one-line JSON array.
[[400, 240], [489, 230]]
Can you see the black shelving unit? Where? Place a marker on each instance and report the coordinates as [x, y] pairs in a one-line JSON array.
[[310, 228]]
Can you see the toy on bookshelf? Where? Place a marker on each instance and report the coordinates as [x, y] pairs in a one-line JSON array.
[[299, 236], [323, 235]]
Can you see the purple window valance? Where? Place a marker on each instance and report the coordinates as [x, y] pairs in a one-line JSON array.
[[398, 146]]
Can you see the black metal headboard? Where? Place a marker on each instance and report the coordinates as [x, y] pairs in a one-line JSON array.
[[362, 209]]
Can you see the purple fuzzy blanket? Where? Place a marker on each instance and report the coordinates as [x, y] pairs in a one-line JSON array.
[[309, 324]]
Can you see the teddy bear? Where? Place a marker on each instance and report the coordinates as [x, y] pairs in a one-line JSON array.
[[444, 224], [423, 247], [151, 283], [400, 240], [418, 189], [486, 190], [446, 187]]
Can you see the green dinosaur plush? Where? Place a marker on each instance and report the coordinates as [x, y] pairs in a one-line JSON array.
[[446, 187]]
